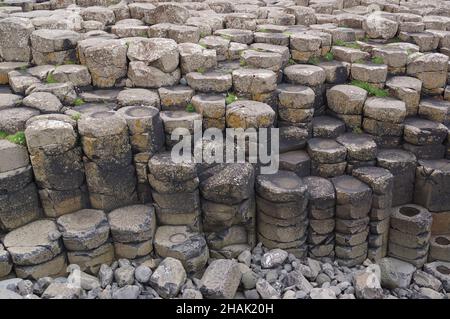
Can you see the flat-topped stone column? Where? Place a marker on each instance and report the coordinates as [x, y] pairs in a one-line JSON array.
[[110, 174], [321, 210], [354, 200], [57, 164], [228, 208], [175, 191], [19, 199], [282, 218]]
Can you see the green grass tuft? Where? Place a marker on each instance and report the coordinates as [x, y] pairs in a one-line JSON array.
[[190, 108], [314, 60], [231, 97], [329, 56], [352, 45], [76, 116], [372, 90], [50, 79], [17, 138], [291, 61], [357, 130], [78, 102], [377, 60], [201, 70]]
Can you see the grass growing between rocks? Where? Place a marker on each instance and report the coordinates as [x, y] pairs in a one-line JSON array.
[[377, 60], [314, 60], [78, 102], [230, 98], [190, 108], [329, 56], [17, 138], [352, 45], [50, 79], [76, 116], [372, 90]]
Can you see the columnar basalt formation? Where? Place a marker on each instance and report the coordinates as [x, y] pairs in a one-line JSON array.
[[112, 115]]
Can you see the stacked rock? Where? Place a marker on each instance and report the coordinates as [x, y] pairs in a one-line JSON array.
[[402, 165], [57, 164], [282, 221], [297, 162], [181, 243], [361, 150], [295, 106], [212, 109], [322, 200], [382, 182], [311, 76], [424, 138], [110, 173], [180, 125], [146, 138], [432, 191], [431, 69], [383, 119], [19, 200], [256, 84], [228, 209], [85, 234], [346, 102], [153, 62], [36, 250], [439, 248], [132, 229], [372, 73], [409, 234], [175, 191], [353, 204], [54, 46], [5, 262], [327, 157]]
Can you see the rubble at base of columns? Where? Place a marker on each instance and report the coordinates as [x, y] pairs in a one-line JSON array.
[[96, 98]]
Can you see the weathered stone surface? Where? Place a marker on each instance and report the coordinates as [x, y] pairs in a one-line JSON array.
[[168, 278], [132, 223], [84, 230], [221, 279], [395, 273]]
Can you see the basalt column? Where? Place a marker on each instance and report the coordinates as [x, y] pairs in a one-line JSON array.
[[382, 182], [282, 220], [228, 208], [57, 164], [19, 200], [175, 191], [354, 200], [321, 209], [146, 138], [110, 173]]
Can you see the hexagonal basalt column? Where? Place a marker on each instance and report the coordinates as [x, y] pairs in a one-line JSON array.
[[354, 199], [402, 165], [175, 191], [110, 174], [409, 235], [146, 138], [57, 164], [85, 234], [282, 220], [132, 231], [321, 210], [181, 243], [382, 183], [19, 200], [36, 250], [228, 202]]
